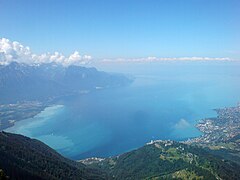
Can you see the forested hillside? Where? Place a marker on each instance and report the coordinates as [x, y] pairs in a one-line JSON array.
[[25, 158], [168, 160]]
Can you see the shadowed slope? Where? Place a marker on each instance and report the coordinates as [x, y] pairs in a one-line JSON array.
[[25, 158]]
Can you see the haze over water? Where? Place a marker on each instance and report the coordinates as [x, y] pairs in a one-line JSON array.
[[164, 102]]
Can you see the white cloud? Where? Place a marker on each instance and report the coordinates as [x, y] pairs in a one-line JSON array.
[[158, 59], [182, 124], [15, 51]]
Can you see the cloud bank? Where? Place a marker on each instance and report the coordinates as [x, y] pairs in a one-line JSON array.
[[14, 51], [157, 59]]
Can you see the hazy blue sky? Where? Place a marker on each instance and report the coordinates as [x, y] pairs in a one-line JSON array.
[[125, 28]]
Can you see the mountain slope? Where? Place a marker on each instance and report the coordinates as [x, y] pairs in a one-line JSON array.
[[40, 82], [167, 160], [25, 158]]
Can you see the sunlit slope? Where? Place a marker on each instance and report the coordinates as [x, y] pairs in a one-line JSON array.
[[168, 160]]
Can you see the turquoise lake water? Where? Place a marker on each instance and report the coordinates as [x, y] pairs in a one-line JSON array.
[[164, 102]]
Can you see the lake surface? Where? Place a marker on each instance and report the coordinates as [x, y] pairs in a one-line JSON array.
[[164, 102]]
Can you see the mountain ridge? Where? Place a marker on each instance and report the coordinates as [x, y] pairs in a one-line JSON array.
[[20, 82], [167, 160], [26, 158]]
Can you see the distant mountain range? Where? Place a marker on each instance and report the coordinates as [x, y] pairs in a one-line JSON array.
[[40, 82]]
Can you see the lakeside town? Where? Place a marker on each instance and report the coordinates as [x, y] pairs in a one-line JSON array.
[[221, 132]]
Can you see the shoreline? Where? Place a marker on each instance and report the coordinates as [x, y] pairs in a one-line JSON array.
[[13, 113], [30, 119], [201, 139], [220, 129], [228, 142]]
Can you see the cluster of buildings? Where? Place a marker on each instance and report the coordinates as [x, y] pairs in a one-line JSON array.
[[220, 129]]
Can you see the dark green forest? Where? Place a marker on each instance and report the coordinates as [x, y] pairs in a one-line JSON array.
[[25, 158]]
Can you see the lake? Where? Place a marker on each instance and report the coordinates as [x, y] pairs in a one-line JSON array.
[[164, 102]]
